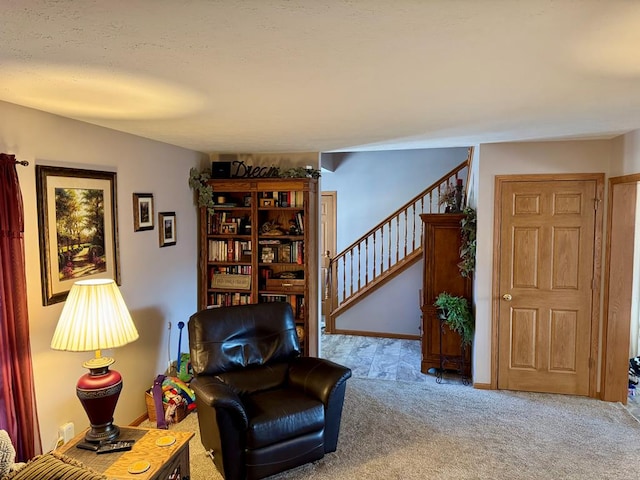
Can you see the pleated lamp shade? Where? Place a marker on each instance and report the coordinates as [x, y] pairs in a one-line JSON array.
[[94, 317]]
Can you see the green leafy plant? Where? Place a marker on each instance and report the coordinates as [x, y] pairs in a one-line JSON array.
[[299, 172], [456, 313], [468, 226], [198, 181]]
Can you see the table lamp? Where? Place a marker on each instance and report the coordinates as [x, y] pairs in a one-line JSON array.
[[95, 317]]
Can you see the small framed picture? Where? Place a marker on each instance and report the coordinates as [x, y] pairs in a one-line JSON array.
[[268, 255], [229, 228], [142, 212], [267, 202], [247, 200], [167, 222]]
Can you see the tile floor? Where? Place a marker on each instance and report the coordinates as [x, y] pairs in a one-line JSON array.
[[374, 357]]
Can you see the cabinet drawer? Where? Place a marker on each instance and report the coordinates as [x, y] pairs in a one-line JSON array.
[[286, 284]]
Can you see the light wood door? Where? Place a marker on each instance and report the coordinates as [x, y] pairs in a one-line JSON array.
[[327, 245], [547, 231], [619, 289]]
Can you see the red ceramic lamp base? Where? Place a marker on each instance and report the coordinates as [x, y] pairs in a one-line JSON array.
[[98, 392]]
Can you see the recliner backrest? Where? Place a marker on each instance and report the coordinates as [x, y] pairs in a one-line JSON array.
[[229, 338]]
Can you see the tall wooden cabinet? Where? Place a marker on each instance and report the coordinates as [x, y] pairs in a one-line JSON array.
[[441, 254], [259, 246]]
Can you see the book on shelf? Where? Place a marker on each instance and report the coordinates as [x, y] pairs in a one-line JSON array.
[[300, 222], [299, 250], [285, 199]]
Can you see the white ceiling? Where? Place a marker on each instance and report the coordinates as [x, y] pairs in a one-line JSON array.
[[328, 75]]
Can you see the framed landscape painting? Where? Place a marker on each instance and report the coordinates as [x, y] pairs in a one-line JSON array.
[[77, 223]]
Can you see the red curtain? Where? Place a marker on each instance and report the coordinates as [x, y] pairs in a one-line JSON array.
[[18, 414]]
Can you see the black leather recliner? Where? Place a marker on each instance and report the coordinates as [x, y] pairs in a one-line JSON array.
[[262, 408]]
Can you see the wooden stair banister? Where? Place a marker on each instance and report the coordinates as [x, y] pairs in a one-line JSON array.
[[386, 250]]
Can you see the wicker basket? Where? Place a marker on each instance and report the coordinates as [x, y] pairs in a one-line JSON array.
[[178, 415]]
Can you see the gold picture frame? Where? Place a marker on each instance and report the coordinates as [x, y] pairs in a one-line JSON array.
[[78, 228], [229, 227]]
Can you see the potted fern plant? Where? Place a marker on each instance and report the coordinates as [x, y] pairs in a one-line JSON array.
[[456, 314]]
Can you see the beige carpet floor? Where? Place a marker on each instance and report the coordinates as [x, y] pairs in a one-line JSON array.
[[402, 430]]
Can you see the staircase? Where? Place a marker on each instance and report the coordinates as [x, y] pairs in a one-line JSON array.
[[386, 250]]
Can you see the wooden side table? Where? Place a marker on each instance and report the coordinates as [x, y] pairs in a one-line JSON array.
[[167, 463]]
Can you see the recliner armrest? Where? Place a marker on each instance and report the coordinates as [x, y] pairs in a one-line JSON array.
[[212, 392], [317, 376]]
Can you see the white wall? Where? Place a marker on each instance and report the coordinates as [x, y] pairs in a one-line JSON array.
[[158, 284], [511, 159], [370, 186], [393, 308], [627, 150]]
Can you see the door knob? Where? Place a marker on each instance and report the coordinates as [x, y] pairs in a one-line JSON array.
[[507, 297]]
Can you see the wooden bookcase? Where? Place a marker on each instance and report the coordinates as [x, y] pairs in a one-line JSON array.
[[260, 246], [441, 253]]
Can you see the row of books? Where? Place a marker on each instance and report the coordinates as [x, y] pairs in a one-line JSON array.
[[229, 250], [296, 302], [228, 299], [286, 199], [232, 269], [289, 252]]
